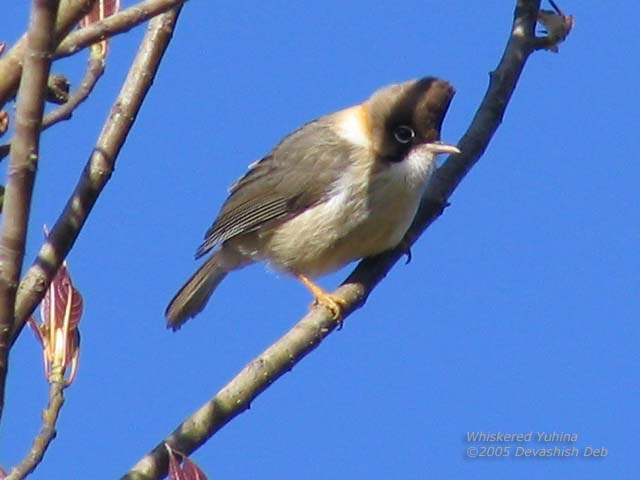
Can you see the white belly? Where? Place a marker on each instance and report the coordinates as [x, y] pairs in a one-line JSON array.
[[366, 214]]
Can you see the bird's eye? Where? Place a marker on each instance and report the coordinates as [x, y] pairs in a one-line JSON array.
[[404, 134]]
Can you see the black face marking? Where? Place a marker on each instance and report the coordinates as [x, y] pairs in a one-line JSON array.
[[411, 115], [406, 108], [402, 138], [404, 134]]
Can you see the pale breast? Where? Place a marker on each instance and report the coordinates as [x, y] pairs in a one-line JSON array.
[[368, 211]]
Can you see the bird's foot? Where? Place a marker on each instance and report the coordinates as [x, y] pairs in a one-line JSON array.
[[331, 302], [334, 304]]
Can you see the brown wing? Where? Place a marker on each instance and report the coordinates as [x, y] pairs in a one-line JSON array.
[[297, 174]]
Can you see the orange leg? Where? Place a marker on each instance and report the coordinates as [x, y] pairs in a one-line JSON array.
[[334, 304]]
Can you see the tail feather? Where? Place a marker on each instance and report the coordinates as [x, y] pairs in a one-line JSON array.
[[195, 294]]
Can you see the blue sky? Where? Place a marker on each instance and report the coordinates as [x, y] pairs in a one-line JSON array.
[[518, 313]]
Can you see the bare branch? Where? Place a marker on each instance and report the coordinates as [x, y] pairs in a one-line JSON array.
[[83, 38], [304, 337], [116, 24], [98, 169], [94, 71], [69, 14], [47, 432], [22, 166], [57, 89]]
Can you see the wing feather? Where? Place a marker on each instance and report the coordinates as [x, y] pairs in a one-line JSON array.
[[298, 173]]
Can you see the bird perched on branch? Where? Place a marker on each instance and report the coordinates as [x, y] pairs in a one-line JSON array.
[[340, 188]]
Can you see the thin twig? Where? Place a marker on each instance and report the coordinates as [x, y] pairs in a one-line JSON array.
[[69, 14], [114, 25], [22, 167], [71, 11], [95, 69], [304, 337], [46, 435], [98, 169]]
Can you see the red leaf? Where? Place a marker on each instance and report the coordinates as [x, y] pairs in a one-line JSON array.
[[192, 471], [175, 470], [188, 471], [36, 329], [101, 10], [62, 299], [58, 333], [4, 120]]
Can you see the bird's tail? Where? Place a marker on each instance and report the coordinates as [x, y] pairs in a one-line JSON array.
[[195, 293]]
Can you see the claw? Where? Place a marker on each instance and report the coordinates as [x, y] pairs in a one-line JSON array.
[[332, 303], [405, 248]]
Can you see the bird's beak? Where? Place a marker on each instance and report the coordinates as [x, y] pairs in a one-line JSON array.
[[441, 147]]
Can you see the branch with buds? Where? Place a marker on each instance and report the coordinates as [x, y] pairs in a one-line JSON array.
[[48, 280], [23, 164], [58, 334]]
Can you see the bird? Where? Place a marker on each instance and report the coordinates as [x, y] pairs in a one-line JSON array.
[[340, 188]]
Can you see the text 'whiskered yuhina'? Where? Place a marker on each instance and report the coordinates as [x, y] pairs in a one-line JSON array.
[[342, 187]]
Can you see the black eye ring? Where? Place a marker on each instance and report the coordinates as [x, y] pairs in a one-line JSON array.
[[404, 134]]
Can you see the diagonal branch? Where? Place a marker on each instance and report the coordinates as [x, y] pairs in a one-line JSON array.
[[47, 432], [71, 11], [22, 167], [114, 25], [98, 169], [92, 74], [304, 337], [85, 37]]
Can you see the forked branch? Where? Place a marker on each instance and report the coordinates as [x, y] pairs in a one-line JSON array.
[[69, 14], [304, 337], [98, 169], [23, 164]]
